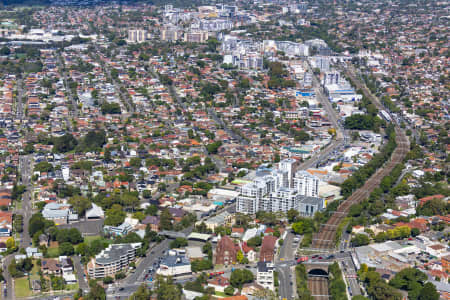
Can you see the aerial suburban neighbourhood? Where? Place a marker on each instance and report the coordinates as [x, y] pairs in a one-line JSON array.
[[235, 150]]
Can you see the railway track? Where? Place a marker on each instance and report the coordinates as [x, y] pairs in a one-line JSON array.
[[325, 238], [318, 287]]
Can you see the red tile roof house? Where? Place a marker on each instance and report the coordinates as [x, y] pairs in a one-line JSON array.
[[268, 248], [414, 224], [426, 199], [219, 283], [248, 252], [226, 251], [237, 232]]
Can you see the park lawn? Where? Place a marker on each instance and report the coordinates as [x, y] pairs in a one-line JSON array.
[[90, 238], [221, 294], [53, 252], [22, 288], [72, 287]]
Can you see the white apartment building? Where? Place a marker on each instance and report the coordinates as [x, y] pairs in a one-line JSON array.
[[277, 190], [265, 276], [288, 165], [137, 35], [111, 260], [306, 184], [196, 36], [251, 193], [283, 199]]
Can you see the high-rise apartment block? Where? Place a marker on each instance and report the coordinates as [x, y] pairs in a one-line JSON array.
[[137, 35], [281, 189]]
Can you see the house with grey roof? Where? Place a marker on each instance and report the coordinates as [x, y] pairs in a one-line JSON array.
[[59, 213]]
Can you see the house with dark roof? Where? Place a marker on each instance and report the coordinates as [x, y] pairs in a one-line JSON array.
[[177, 213], [51, 266], [153, 222]]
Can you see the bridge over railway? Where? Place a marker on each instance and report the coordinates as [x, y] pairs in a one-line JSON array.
[[317, 269]]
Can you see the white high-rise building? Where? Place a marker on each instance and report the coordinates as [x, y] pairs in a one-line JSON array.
[[278, 191], [287, 165], [306, 184], [283, 200], [137, 35], [251, 194]]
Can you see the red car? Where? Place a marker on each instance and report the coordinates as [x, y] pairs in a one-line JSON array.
[[302, 259]]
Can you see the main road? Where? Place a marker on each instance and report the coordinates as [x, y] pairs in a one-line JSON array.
[[74, 104], [25, 167], [341, 137], [283, 265], [130, 284], [25, 170]]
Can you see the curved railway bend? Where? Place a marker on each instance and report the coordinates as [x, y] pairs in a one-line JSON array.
[[325, 238]]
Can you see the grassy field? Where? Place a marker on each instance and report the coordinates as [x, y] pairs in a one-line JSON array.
[[89, 239], [22, 288], [53, 252], [72, 287]]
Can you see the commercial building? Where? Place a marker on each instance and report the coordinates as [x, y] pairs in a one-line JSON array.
[[59, 213], [288, 47], [111, 260], [310, 205], [244, 61], [174, 265], [222, 219]]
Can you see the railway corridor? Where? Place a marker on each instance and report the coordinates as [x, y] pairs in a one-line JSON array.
[[325, 238], [318, 287]]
